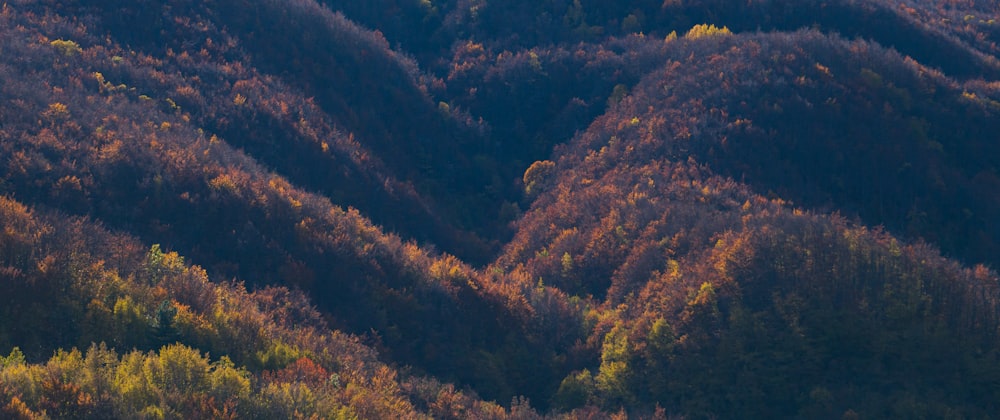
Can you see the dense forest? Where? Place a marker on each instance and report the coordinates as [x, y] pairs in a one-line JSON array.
[[505, 209]]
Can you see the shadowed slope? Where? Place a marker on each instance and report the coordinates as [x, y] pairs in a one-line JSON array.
[[135, 162], [719, 302]]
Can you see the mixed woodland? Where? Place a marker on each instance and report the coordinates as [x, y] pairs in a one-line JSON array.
[[499, 209]]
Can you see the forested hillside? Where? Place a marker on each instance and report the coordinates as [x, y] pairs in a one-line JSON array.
[[470, 209]]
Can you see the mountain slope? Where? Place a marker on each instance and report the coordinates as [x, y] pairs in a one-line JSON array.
[[137, 164], [690, 240], [350, 79], [264, 354], [719, 302]]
